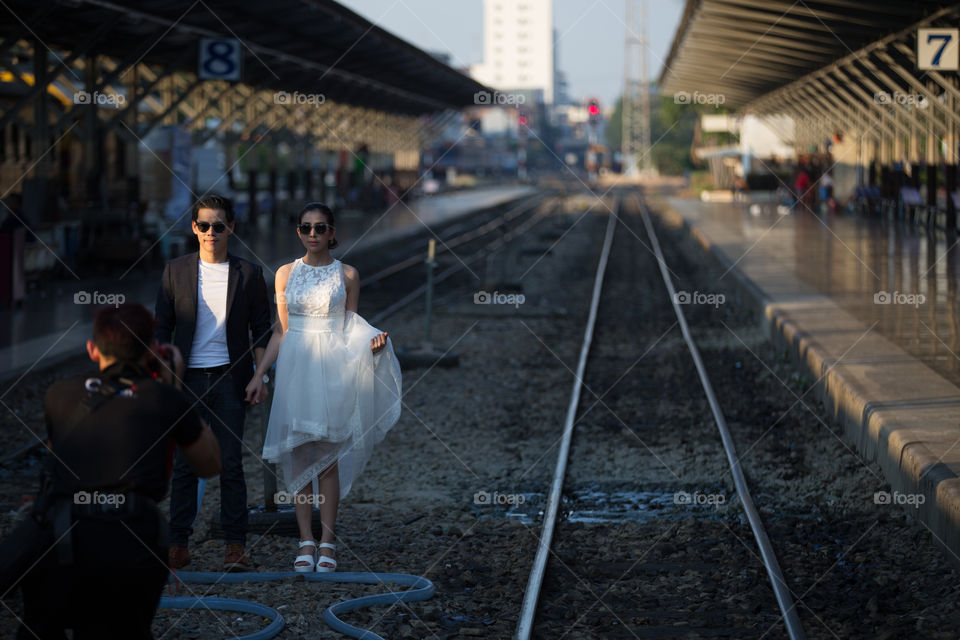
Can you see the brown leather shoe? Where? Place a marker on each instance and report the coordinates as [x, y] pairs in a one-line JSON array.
[[235, 558], [178, 557]]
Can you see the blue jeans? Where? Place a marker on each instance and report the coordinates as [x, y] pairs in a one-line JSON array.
[[223, 409]]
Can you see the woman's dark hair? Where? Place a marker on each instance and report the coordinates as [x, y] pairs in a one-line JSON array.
[[213, 201], [123, 332], [327, 213]]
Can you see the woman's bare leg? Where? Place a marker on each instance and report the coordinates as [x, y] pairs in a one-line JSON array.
[[303, 507], [329, 482]]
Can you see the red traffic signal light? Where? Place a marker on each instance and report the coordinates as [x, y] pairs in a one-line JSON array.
[[522, 119], [593, 111]]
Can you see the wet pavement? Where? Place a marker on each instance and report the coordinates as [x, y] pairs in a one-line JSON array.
[[868, 308], [893, 274]]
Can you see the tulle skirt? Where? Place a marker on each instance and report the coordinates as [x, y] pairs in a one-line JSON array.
[[333, 399]]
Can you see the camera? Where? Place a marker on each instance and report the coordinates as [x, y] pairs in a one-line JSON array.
[[161, 365]]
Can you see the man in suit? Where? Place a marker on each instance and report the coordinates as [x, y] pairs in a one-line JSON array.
[[216, 306]]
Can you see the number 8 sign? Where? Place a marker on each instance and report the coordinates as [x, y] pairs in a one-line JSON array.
[[937, 49], [219, 59]]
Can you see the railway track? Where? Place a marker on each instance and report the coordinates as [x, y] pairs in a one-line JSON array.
[[618, 564], [651, 540]]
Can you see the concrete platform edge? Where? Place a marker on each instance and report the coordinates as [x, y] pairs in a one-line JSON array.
[[909, 466]]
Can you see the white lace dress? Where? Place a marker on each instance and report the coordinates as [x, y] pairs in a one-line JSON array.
[[333, 398]]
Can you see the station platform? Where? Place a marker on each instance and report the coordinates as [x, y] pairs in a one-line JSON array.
[[869, 309], [53, 324]]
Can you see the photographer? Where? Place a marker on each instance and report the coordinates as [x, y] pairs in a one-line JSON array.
[[111, 439]]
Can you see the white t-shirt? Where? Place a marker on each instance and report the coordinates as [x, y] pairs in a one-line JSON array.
[[210, 336]]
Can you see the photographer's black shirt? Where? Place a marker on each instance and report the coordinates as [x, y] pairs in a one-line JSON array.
[[125, 444]]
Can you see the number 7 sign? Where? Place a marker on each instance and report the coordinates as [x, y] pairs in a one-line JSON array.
[[937, 49]]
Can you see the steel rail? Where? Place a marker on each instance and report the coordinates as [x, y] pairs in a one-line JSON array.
[[534, 582], [780, 589], [445, 245]]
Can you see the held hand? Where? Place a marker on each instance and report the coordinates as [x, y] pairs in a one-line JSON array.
[[378, 343], [264, 393], [178, 365], [255, 393]]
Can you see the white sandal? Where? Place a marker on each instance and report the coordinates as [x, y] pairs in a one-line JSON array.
[[326, 559], [306, 558]]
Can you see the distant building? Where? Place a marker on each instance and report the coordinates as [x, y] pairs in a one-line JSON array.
[[518, 46]]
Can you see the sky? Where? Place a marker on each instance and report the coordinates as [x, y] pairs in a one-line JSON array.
[[590, 35]]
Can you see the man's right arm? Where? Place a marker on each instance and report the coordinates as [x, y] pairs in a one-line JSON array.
[[203, 454], [165, 311]]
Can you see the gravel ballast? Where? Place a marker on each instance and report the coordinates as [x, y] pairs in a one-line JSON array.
[[454, 491]]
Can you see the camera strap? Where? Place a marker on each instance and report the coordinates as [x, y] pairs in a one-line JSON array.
[[98, 392]]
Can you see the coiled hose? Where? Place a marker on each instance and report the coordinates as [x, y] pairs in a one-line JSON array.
[[420, 589]]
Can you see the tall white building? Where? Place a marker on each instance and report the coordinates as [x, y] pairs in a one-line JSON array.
[[517, 46]]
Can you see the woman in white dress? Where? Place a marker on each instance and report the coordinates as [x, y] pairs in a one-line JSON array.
[[338, 384]]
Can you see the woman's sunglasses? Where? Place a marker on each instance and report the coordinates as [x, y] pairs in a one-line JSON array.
[[218, 227], [321, 228]]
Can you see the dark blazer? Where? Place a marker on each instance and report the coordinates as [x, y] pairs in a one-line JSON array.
[[248, 311]]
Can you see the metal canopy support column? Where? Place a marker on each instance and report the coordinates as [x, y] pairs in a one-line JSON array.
[[131, 150], [950, 167], [92, 144], [931, 161], [34, 183]]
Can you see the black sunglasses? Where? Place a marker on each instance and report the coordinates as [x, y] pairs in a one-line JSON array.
[[320, 227], [218, 227]]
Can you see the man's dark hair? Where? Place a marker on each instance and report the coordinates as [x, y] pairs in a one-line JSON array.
[[123, 332], [213, 201]]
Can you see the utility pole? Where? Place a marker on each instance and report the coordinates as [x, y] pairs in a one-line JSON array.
[[635, 130]]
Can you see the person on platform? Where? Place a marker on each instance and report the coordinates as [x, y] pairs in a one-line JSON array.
[[338, 384], [215, 307], [111, 438], [825, 191], [802, 186]]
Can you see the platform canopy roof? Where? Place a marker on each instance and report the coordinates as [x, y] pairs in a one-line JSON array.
[[745, 49], [311, 46]]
